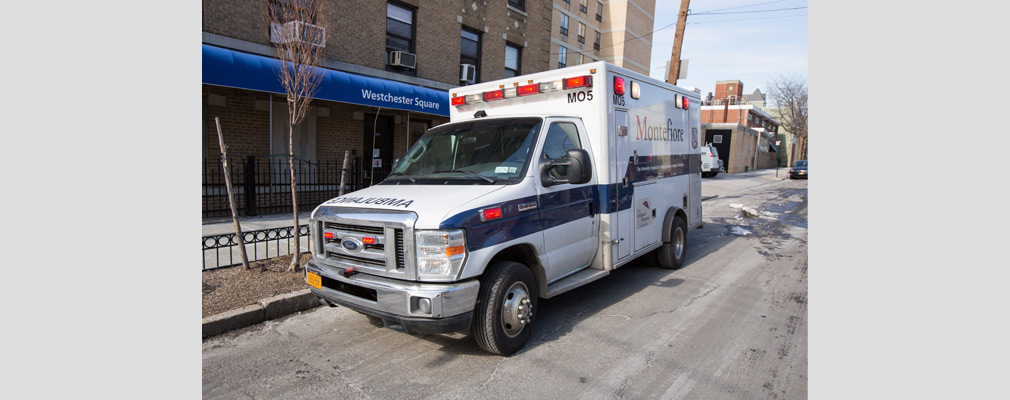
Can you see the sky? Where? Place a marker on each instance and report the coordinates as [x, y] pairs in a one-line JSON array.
[[749, 45]]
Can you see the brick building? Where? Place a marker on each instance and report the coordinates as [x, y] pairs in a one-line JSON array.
[[743, 133], [615, 31], [369, 94]]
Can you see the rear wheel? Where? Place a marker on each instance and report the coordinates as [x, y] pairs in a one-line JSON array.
[[671, 254], [504, 315]]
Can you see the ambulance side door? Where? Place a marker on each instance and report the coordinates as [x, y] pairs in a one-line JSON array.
[[568, 212]]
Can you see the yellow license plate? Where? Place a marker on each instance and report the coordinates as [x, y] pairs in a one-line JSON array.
[[314, 280]]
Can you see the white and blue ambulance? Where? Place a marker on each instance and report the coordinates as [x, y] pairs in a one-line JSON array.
[[539, 184]]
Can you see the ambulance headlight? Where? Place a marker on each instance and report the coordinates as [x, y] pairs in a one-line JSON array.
[[440, 254]]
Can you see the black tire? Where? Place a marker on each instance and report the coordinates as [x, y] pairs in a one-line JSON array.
[[714, 174], [671, 254], [503, 317]]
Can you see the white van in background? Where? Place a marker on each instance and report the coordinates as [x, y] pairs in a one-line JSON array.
[[711, 165]]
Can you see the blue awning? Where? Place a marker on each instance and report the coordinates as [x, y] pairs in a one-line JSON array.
[[224, 67]]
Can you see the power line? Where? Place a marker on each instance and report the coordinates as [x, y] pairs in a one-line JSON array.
[[746, 19], [747, 12], [744, 6]]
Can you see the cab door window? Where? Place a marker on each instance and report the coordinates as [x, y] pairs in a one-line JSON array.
[[561, 137]]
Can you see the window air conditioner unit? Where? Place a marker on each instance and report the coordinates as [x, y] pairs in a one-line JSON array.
[[298, 31], [401, 59], [467, 73]]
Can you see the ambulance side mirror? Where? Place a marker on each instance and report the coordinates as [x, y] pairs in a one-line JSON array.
[[579, 169]]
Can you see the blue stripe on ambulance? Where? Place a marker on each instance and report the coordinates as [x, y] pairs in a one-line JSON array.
[[559, 208]]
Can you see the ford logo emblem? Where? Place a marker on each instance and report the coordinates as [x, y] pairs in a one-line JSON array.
[[351, 244]]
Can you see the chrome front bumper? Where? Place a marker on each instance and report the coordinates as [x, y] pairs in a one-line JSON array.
[[396, 302]]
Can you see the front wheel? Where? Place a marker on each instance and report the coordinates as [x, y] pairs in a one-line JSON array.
[[671, 254], [504, 315]]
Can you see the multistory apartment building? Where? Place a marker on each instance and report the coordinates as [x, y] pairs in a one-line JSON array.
[[615, 31]]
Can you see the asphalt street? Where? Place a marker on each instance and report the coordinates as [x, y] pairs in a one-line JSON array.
[[730, 324]]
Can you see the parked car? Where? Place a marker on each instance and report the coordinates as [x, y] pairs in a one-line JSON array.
[[711, 165], [799, 170]]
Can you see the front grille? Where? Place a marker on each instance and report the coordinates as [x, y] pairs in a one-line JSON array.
[[383, 241], [355, 260], [372, 230]]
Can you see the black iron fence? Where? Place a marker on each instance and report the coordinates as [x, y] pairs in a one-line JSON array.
[[223, 251], [262, 183]]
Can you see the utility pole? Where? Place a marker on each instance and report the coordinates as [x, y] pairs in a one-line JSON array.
[[674, 71]]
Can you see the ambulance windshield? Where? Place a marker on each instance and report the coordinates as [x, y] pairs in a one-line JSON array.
[[480, 151]]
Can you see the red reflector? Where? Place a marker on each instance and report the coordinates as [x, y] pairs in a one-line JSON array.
[[328, 235], [579, 81], [685, 103], [494, 95], [490, 213], [457, 101], [528, 89], [619, 86], [368, 240]]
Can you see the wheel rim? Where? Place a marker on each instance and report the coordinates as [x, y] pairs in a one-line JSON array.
[[678, 243], [517, 309]]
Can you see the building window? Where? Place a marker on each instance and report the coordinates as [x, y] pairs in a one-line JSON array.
[[582, 33], [518, 4], [717, 139], [562, 57], [469, 52], [399, 29], [596, 43], [513, 59], [582, 6], [580, 58], [564, 24], [599, 11]]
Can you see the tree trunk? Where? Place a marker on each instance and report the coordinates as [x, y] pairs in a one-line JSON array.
[[343, 173], [294, 198], [231, 196]]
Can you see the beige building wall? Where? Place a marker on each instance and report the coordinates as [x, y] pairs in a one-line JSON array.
[[623, 25]]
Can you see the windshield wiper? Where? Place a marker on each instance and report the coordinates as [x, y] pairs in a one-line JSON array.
[[412, 180], [471, 173]]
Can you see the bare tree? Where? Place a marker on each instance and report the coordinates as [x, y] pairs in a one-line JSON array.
[[788, 93], [231, 194], [298, 35]]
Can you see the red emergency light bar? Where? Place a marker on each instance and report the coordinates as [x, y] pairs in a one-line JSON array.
[[579, 81], [458, 101], [494, 95], [685, 102], [619, 86], [527, 90]]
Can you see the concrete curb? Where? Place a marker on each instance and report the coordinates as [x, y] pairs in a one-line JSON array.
[[267, 309]]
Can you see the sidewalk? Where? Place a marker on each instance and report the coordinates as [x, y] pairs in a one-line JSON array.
[[223, 225]]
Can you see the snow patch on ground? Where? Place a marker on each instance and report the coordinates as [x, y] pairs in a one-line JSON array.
[[736, 230]]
